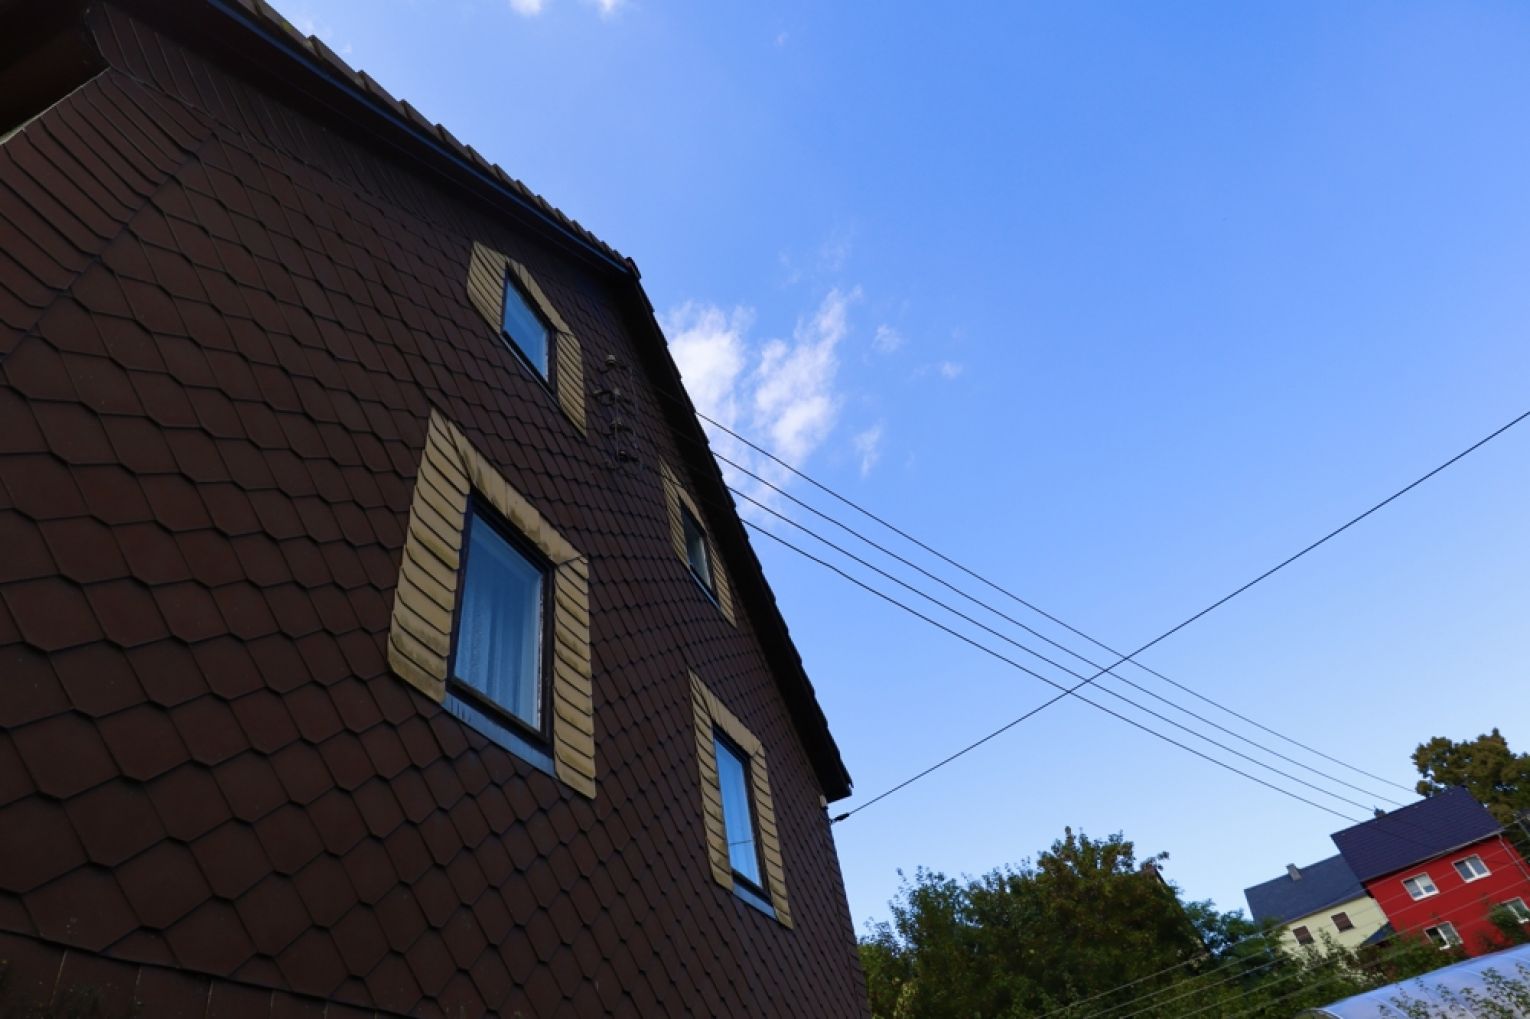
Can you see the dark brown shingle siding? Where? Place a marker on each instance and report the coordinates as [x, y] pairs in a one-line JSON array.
[[222, 341]]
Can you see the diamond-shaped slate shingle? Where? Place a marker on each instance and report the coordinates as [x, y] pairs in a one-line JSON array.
[[233, 289]]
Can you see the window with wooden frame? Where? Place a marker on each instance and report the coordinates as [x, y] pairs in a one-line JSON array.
[[1471, 868], [1443, 936], [693, 545], [1419, 886], [1303, 935], [514, 305], [491, 616], [743, 843], [1342, 922]]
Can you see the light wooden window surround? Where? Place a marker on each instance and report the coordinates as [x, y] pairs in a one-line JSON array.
[[488, 271], [679, 502], [452, 472], [712, 716]]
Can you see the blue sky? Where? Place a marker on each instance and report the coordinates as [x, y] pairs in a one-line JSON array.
[[1119, 303]]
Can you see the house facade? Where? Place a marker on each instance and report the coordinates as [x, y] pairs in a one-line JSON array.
[[1438, 869], [377, 635], [1314, 905]]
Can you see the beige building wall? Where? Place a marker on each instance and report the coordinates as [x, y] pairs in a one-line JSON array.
[[1363, 912]]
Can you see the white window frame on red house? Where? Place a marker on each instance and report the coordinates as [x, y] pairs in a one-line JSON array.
[[1474, 864], [1517, 906], [1444, 936], [1420, 880]]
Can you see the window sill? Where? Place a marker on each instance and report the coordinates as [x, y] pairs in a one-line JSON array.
[[500, 733], [742, 892]]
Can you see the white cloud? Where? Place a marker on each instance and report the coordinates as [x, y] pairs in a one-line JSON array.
[[308, 25], [868, 446], [887, 339], [781, 38], [608, 7], [526, 8], [950, 369], [782, 393]]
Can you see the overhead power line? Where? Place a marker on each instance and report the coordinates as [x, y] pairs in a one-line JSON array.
[[877, 518], [1075, 674], [1041, 636], [1199, 615]]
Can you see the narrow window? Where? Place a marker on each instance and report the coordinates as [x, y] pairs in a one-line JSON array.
[[498, 655], [1471, 868], [1443, 936], [1519, 909], [738, 813], [1343, 922], [525, 329], [1419, 886], [1303, 935], [696, 549]]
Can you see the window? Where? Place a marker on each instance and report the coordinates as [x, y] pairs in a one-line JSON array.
[[1443, 936], [738, 812], [1471, 868], [1419, 886], [513, 304], [1519, 909], [524, 328], [1343, 922], [1303, 935], [696, 549], [499, 630], [484, 582], [743, 843], [693, 545]]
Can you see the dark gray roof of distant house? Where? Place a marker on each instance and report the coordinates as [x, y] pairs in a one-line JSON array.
[[1322, 884], [1417, 832]]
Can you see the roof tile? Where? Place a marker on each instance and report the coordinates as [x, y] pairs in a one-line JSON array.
[[188, 802], [325, 887], [63, 775], [209, 729], [273, 914], [39, 845], [30, 688], [83, 907], [162, 884], [211, 940], [115, 821], [289, 838]]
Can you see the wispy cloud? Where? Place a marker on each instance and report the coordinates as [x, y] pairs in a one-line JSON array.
[[950, 369], [886, 339], [526, 8], [608, 7], [783, 391], [868, 446]]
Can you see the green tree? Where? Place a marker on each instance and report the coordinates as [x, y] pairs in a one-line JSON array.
[[1490, 771], [1085, 917]]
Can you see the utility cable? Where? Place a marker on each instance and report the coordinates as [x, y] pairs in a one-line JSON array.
[[1036, 633], [1203, 612], [798, 472], [1055, 664], [1065, 691]]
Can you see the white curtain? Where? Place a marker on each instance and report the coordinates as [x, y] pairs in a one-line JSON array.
[[499, 634]]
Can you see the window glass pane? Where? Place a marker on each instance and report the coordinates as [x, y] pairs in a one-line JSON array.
[[499, 633], [525, 327], [696, 549], [738, 815]]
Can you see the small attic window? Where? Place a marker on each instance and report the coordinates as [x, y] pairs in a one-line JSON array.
[[525, 329], [696, 549]]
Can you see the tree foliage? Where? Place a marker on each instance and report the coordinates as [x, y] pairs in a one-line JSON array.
[[1088, 930], [1490, 771]]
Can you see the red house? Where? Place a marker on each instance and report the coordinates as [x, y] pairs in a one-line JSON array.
[[1439, 868]]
